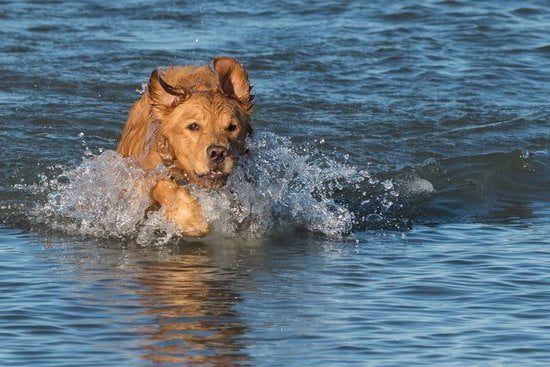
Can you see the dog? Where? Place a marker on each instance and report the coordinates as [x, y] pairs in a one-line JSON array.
[[195, 121]]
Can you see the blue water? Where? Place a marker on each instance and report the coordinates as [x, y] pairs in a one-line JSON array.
[[400, 199]]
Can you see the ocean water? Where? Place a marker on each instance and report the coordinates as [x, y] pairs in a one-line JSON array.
[[394, 209]]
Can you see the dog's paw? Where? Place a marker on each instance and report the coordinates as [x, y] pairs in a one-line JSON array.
[[182, 208]]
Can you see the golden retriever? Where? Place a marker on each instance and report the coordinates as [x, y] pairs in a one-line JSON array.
[[193, 120]]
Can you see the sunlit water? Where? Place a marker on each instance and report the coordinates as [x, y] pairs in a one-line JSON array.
[[393, 209]]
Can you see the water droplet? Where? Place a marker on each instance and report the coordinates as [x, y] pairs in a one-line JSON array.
[[143, 88], [388, 184]]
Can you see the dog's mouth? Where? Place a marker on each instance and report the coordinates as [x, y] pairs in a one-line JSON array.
[[214, 178], [214, 174]]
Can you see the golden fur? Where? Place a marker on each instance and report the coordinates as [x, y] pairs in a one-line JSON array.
[[194, 120]]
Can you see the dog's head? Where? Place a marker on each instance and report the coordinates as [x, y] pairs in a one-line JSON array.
[[204, 115]]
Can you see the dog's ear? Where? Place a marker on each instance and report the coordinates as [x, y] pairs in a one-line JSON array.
[[163, 94], [234, 81]]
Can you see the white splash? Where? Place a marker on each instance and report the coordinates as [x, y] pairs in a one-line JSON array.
[[274, 190], [99, 198], [418, 186], [277, 190]]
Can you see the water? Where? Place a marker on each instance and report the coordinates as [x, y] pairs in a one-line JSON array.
[[394, 209]]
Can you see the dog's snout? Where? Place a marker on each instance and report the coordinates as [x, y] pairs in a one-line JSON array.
[[216, 153]]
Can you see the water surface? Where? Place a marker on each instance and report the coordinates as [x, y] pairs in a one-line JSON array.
[[398, 208]]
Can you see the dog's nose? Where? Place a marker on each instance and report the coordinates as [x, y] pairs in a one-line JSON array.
[[216, 153]]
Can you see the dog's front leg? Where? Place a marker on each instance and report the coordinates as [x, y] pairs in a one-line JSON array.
[[181, 207]]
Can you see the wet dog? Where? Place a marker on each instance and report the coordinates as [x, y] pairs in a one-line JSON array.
[[193, 120]]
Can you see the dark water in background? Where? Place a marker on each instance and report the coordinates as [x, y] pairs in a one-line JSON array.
[[443, 103]]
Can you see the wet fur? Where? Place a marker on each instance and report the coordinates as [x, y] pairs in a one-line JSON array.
[[161, 130]]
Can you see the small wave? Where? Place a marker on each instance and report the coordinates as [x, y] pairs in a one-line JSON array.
[[527, 11], [543, 49]]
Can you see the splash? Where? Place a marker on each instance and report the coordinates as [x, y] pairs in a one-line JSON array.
[[102, 197], [279, 188]]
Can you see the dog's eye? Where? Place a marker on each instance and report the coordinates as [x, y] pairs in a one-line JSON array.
[[231, 127], [193, 126]]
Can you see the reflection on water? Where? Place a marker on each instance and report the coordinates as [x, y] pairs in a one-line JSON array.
[[111, 305], [390, 297], [193, 303]]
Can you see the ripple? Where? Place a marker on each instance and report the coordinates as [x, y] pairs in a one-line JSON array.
[[43, 28], [527, 11], [543, 49]]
